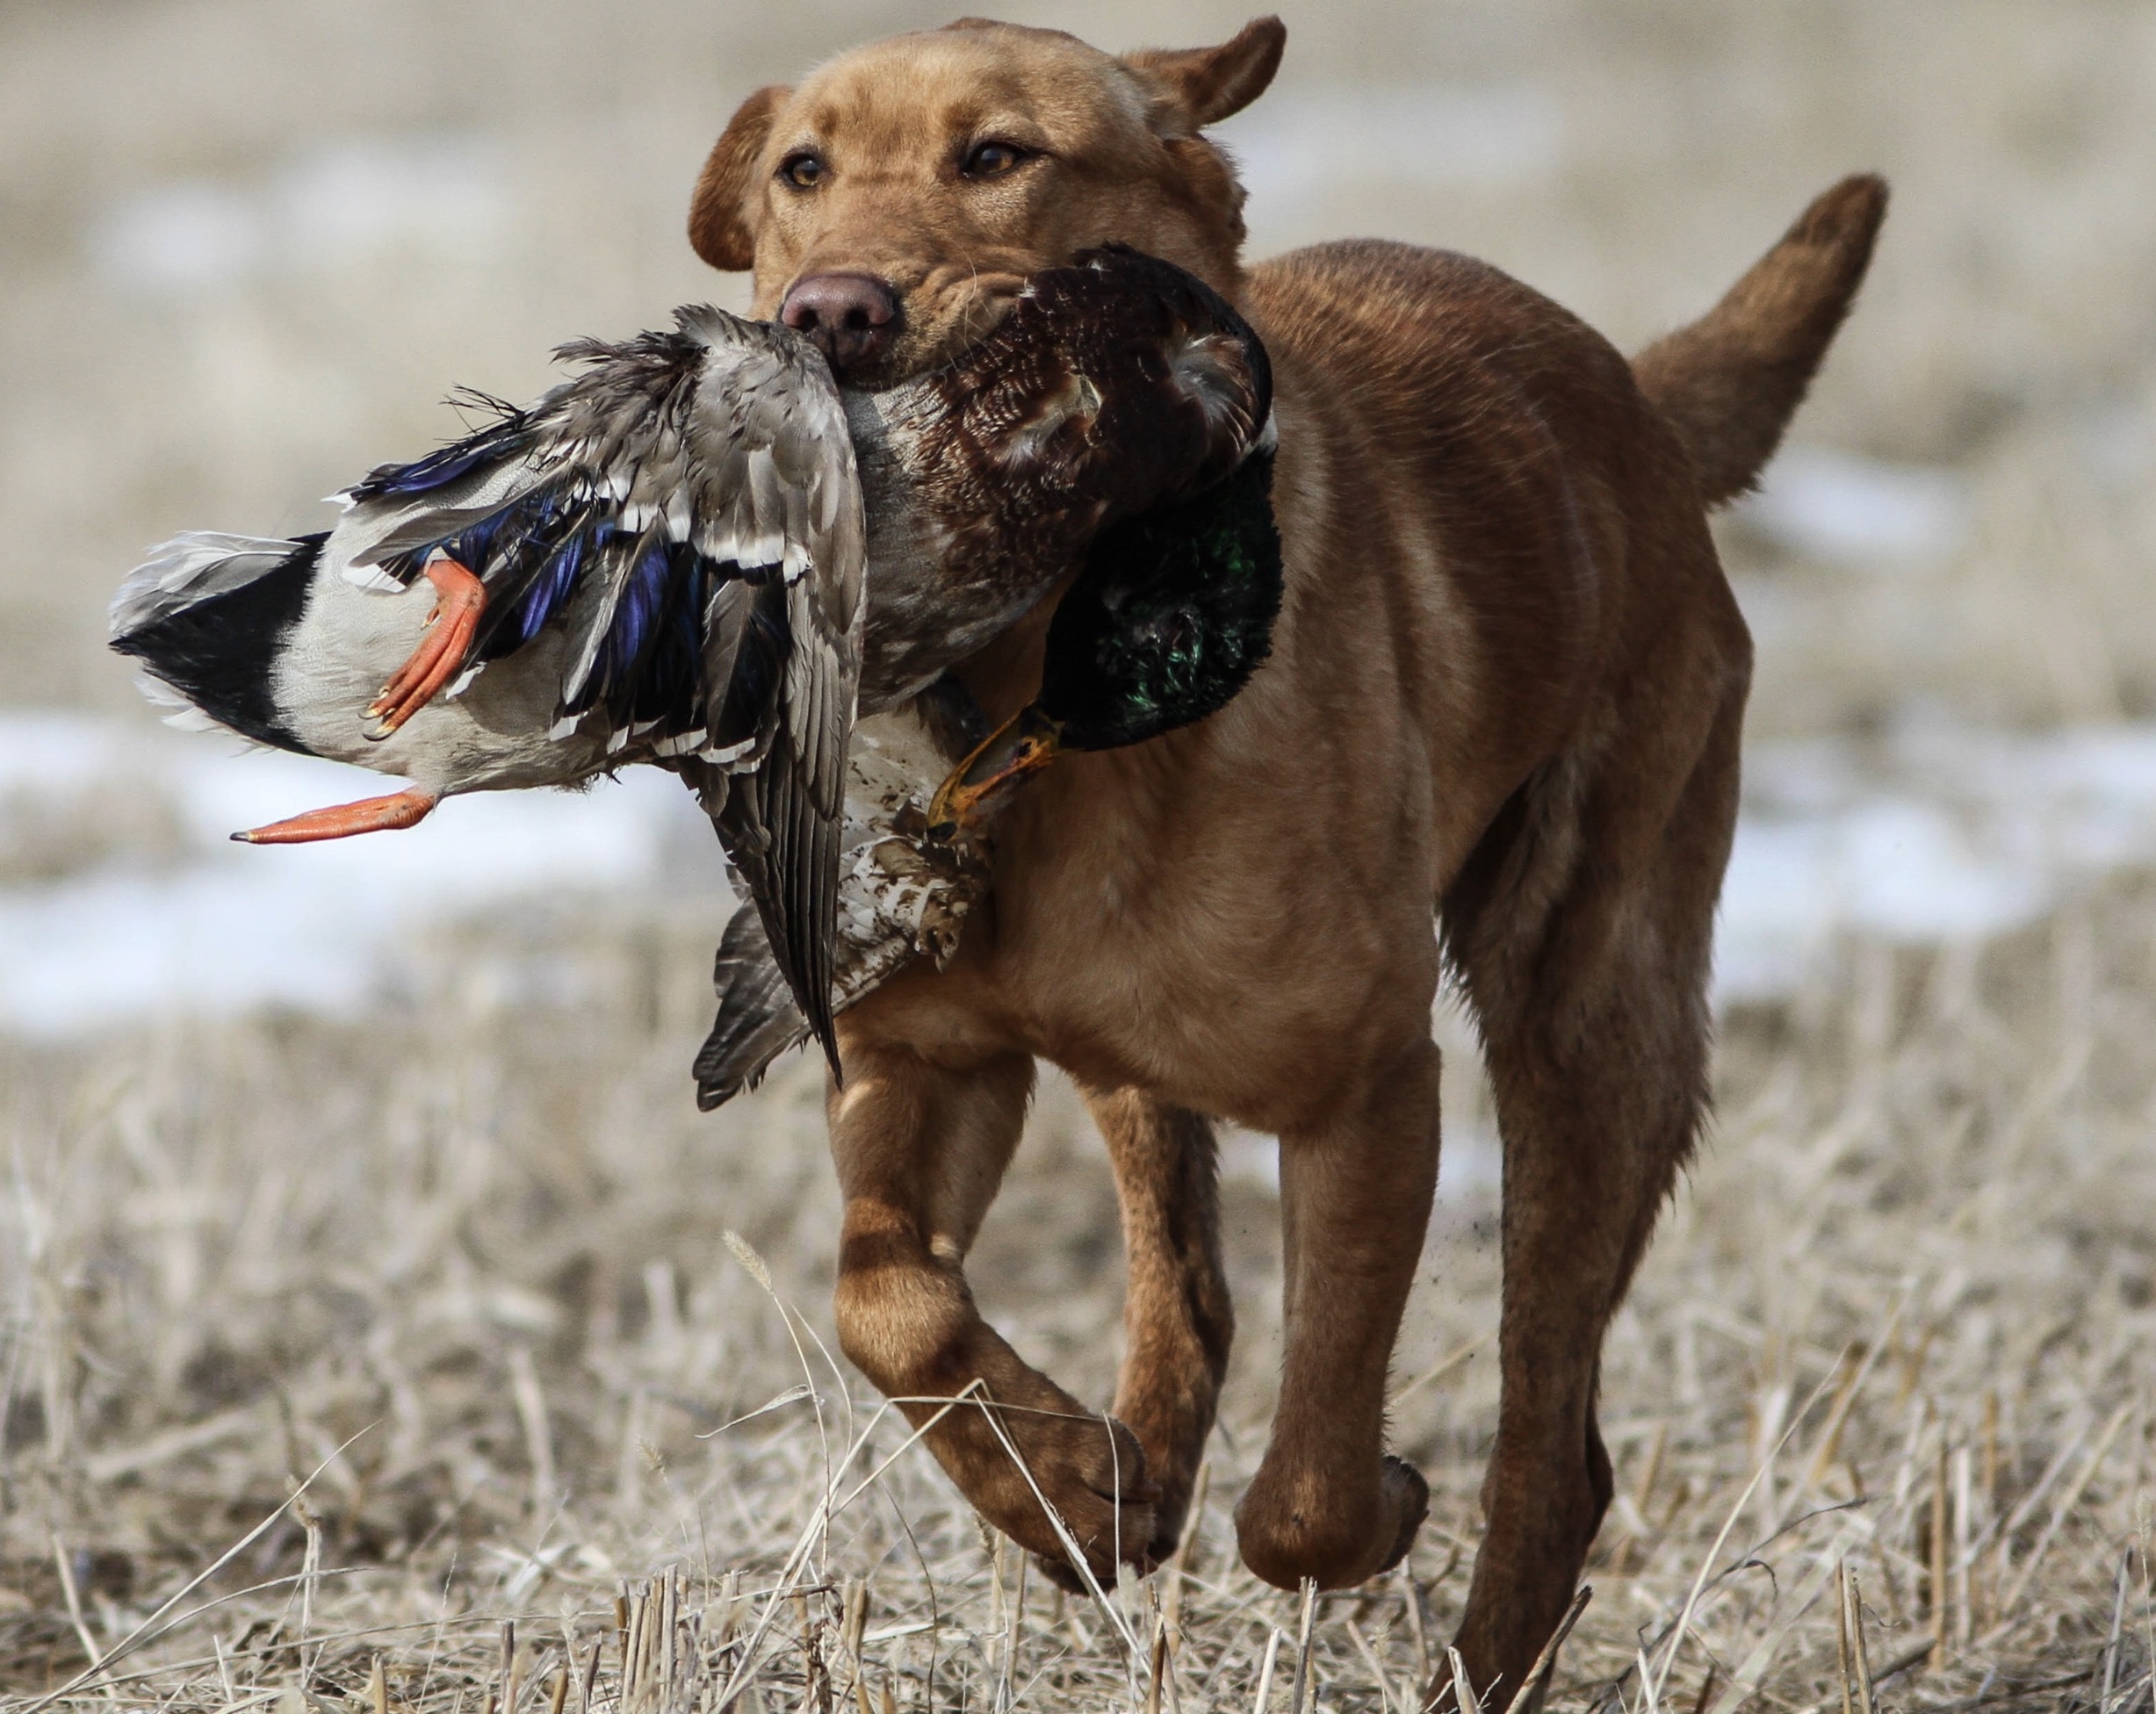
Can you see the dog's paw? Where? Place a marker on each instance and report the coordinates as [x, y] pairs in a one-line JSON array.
[[1407, 1496], [1315, 1527], [1088, 1469], [1093, 1474]]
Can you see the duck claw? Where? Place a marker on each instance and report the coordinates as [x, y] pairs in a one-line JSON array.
[[370, 815], [460, 598]]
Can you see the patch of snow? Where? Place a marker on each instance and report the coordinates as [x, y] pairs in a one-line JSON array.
[[187, 236], [1470, 1164], [1250, 1157], [1939, 833], [320, 927], [1824, 504], [1936, 832]]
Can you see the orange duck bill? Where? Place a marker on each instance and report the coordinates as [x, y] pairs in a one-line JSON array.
[[460, 598], [370, 815], [1023, 744]]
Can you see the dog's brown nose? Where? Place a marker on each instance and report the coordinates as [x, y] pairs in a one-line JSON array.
[[850, 316]]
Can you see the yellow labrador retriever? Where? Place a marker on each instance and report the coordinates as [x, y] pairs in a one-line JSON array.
[[1499, 727]]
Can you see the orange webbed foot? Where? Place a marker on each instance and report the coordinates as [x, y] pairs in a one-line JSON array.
[[370, 815], [460, 598]]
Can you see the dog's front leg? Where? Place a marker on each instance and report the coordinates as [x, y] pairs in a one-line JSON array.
[[1177, 1318], [1327, 1502], [921, 1150]]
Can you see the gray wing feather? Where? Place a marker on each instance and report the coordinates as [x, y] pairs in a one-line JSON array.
[[770, 430]]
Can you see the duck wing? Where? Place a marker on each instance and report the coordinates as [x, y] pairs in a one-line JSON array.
[[773, 472], [688, 513], [900, 897], [757, 1019]]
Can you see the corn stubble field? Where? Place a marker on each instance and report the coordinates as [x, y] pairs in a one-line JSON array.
[[445, 1359]]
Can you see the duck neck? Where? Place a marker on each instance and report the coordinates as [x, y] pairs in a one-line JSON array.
[[1006, 674]]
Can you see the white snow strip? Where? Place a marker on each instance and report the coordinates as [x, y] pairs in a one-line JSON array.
[[346, 200], [1938, 832]]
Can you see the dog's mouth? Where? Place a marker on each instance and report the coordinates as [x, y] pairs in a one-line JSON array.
[[948, 314]]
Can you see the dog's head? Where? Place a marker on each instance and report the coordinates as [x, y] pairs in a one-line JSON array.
[[892, 204]]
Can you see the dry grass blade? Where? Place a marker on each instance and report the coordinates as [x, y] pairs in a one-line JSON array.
[[1437, 1371], [2067, 1501], [1853, 1603], [1263, 1695], [1465, 1701], [1303, 1627], [1379, 1676], [2110, 1642], [1546, 1662], [73, 1596], [1653, 1688], [145, 1631], [994, 1413], [1844, 1658]]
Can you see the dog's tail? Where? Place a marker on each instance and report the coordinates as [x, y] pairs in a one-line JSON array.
[[1731, 381]]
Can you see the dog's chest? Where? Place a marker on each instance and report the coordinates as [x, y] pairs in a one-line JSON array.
[[1133, 953]]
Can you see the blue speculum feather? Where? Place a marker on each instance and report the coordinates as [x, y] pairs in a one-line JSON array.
[[452, 462], [550, 587], [664, 686], [535, 583], [633, 614], [537, 551]]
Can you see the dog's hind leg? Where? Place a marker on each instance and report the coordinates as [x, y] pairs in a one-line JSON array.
[[921, 1149], [1178, 1319], [1582, 930]]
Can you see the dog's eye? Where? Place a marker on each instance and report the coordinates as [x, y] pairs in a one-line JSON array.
[[992, 160], [803, 172]]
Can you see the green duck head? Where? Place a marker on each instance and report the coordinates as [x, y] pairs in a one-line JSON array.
[[1171, 614]]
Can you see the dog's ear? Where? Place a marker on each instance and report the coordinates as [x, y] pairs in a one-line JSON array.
[[719, 213], [1207, 84]]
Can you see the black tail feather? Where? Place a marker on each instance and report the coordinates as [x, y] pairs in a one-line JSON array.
[[217, 651], [757, 1019]]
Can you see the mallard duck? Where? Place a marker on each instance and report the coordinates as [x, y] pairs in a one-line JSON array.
[[1172, 615], [662, 561]]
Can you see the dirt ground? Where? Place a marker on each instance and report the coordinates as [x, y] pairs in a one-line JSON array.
[[449, 1358]]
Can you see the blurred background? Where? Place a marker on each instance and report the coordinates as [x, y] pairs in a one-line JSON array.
[[275, 1117]]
